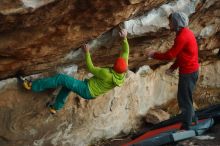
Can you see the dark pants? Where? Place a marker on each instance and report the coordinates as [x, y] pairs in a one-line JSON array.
[[186, 86]]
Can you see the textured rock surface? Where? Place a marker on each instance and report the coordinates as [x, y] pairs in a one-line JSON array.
[[34, 41], [37, 35], [155, 116], [44, 36], [25, 120]]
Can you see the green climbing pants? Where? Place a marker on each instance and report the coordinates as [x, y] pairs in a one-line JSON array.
[[67, 83]]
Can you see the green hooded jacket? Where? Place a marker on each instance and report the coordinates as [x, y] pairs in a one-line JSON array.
[[105, 79]]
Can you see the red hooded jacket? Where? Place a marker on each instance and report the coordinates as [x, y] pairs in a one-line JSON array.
[[185, 50]]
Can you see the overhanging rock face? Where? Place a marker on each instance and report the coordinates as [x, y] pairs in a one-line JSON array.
[[36, 35]]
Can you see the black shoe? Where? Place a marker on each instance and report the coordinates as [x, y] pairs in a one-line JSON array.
[[185, 126]]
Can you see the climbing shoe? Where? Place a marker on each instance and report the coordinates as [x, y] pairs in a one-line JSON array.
[[25, 82], [51, 109]]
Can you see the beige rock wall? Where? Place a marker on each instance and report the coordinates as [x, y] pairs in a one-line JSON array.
[[25, 120]]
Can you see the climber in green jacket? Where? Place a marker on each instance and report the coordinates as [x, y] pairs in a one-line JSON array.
[[104, 79]]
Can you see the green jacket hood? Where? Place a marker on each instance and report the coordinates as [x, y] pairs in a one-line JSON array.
[[118, 79]]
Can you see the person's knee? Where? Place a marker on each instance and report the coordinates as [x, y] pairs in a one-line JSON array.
[[60, 78], [59, 75]]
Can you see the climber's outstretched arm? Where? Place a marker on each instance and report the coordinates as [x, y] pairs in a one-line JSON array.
[[125, 46], [96, 71]]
